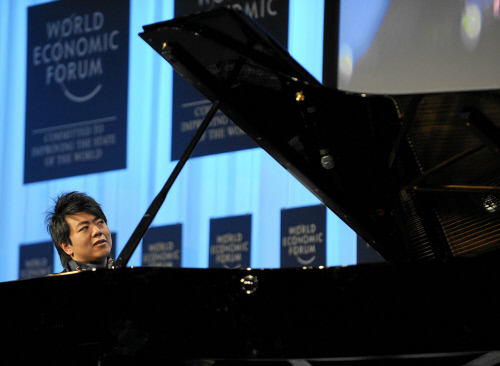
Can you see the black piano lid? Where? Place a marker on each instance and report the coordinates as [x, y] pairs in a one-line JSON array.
[[416, 176]]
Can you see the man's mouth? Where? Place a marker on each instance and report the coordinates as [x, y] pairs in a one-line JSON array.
[[100, 242]]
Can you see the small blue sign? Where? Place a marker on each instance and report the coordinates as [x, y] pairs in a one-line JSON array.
[[112, 253], [161, 246], [76, 89], [230, 239], [36, 260], [303, 236]]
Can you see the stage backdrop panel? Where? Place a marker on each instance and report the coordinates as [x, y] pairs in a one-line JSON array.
[[162, 246], [36, 260], [303, 236], [76, 97], [190, 107], [230, 239]]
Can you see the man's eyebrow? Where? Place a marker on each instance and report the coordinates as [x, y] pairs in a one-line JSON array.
[[83, 223], [86, 222]]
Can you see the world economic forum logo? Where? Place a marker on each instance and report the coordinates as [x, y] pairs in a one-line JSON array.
[[73, 52], [76, 88], [303, 236]]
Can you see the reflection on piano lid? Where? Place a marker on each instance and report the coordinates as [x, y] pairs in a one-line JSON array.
[[417, 176]]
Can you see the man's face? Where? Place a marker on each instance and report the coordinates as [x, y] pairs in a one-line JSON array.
[[90, 238]]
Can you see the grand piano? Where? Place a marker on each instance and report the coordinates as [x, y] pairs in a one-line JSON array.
[[416, 176]]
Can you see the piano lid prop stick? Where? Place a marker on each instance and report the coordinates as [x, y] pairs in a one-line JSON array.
[[153, 209]]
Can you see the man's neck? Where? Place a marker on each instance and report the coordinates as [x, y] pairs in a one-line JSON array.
[[98, 263], [101, 262]]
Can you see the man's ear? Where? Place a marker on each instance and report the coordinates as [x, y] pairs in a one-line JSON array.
[[68, 249]]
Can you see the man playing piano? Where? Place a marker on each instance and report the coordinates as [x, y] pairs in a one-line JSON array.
[[80, 232]]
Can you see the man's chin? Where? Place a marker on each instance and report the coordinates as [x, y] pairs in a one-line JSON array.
[[101, 258]]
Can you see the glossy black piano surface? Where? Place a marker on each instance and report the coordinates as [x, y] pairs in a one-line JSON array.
[[417, 176], [374, 312]]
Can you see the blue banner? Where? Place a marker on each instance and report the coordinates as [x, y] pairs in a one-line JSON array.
[[161, 246], [190, 107], [230, 239], [36, 260], [303, 236], [112, 253], [77, 80]]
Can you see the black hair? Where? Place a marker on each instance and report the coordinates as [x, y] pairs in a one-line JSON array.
[[68, 204]]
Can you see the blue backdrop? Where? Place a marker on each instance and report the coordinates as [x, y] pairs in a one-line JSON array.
[[239, 183]]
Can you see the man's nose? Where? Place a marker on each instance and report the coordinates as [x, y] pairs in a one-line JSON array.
[[96, 231]]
